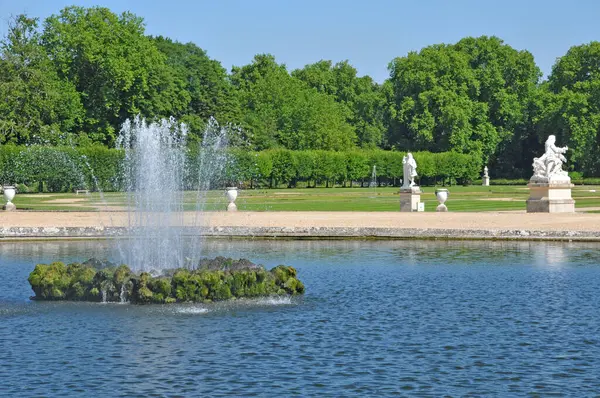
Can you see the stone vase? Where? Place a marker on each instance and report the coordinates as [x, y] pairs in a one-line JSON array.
[[442, 195], [232, 193], [9, 195]]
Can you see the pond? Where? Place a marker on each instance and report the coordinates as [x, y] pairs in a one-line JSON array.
[[378, 318]]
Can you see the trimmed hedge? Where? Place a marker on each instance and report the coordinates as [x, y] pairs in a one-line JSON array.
[[63, 169]]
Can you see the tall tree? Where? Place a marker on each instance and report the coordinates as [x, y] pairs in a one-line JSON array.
[[281, 111], [470, 97], [361, 96], [572, 105], [37, 106], [508, 83], [118, 71], [206, 81]]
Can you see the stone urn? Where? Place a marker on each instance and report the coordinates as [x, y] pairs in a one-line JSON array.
[[442, 195], [232, 193], [9, 195]]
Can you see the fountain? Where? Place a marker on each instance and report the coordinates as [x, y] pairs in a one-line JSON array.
[[166, 187], [373, 182], [158, 168]]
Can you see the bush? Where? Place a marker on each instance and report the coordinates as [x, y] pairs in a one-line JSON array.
[[505, 181], [591, 181]]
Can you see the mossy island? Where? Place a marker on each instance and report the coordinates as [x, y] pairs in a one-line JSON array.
[[212, 280]]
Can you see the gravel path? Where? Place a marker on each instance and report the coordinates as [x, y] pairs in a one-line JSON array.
[[397, 220]]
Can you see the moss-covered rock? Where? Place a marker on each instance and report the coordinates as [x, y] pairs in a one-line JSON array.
[[50, 282], [214, 280]]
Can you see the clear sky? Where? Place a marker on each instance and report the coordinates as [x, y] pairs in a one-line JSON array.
[[367, 33]]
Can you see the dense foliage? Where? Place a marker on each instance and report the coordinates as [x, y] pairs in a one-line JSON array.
[[213, 280], [64, 169], [73, 79]]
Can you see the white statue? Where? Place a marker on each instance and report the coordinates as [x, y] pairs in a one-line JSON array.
[[485, 172], [410, 170], [548, 167]]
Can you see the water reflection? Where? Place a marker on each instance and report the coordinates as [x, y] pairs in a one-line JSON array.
[[408, 252]]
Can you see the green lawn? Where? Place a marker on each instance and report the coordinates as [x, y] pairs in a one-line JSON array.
[[472, 198]]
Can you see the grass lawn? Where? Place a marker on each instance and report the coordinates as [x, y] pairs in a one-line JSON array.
[[471, 198]]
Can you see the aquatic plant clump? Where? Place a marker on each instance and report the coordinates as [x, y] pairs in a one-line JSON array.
[[214, 280]]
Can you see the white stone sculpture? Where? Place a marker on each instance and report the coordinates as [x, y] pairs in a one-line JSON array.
[[232, 193], [550, 186], [9, 195], [548, 167], [441, 195], [485, 180], [410, 171]]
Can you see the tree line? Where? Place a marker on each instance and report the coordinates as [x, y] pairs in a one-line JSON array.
[[74, 78], [64, 169]]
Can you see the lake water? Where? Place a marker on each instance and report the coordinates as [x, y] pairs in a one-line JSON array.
[[379, 318]]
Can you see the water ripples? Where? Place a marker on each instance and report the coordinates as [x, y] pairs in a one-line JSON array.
[[378, 319]]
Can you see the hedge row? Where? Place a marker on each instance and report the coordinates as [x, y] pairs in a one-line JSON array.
[[311, 168], [58, 169]]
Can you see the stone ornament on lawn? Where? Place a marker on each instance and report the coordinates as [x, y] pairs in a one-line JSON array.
[[548, 167], [232, 193], [409, 166], [485, 181], [442, 195], [9, 195], [410, 193], [550, 186]]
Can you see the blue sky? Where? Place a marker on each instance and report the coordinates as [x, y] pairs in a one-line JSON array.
[[368, 33]]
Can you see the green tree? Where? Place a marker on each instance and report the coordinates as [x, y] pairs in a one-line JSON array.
[[36, 106], [305, 165], [117, 70], [357, 165], [469, 97], [361, 96], [284, 166], [280, 111], [325, 168], [206, 82], [571, 106]]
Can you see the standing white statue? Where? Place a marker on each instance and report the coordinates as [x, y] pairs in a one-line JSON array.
[[548, 167], [410, 170], [485, 180]]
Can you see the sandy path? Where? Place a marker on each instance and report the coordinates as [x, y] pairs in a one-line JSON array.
[[472, 221]]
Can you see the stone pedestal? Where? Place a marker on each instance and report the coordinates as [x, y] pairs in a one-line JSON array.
[[485, 181], [410, 198], [550, 197], [9, 207]]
